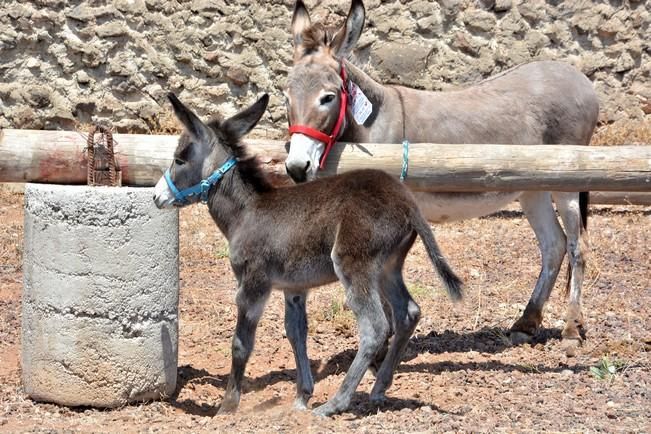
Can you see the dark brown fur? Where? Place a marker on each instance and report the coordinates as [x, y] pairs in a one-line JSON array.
[[357, 227]]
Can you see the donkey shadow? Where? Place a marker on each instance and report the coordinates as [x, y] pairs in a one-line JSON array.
[[486, 340], [491, 340]]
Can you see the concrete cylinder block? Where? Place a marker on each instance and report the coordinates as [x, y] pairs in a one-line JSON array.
[[100, 298]]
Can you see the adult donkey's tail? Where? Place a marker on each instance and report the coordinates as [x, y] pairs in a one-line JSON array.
[[452, 283], [584, 202]]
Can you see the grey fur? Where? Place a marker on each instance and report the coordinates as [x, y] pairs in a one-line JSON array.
[[544, 102]]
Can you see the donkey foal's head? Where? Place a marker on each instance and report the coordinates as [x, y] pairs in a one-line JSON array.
[[205, 153]]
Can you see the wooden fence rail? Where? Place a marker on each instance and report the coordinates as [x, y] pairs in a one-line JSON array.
[[620, 198], [59, 157]]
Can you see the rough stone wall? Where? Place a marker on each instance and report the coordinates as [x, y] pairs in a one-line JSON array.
[[68, 62]]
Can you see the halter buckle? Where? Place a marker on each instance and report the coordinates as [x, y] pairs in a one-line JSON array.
[[202, 188]]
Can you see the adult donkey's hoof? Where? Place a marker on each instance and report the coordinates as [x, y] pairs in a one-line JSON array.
[[572, 339], [525, 327], [571, 346], [573, 334]]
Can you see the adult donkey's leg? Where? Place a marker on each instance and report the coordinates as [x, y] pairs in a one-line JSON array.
[[296, 329], [250, 304], [571, 214], [540, 212]]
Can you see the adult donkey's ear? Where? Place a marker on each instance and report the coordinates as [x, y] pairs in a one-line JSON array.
[[244, 121], [347, 36], [300, 22], [193, 125]]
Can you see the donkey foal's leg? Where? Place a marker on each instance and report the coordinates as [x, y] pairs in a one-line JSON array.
[[363, 298], [373, 330], [374, 367], [568, 208], [406, 315], [296, 329], [540, 212], [250, 305]]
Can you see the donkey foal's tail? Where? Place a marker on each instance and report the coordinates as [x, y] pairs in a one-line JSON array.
[[452, 283]]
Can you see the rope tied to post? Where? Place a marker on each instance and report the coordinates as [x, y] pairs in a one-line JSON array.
[[405, 159], [405, 142]]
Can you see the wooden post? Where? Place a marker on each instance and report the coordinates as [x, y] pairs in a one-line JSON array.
[[58, 157]]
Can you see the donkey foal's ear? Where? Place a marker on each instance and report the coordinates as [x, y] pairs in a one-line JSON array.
[[244, 121], [190, 121], [347, 36]]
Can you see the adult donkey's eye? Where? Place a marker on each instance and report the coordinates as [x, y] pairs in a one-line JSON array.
[[179, 161], [327, 99]]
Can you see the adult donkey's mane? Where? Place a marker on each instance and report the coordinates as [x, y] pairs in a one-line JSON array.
[[316, 36]]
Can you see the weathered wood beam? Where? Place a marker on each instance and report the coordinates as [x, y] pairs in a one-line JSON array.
[[59, 157], [461, 168], [620, 198]]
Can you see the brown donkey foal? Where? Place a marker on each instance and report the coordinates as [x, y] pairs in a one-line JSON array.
[[356, 227]]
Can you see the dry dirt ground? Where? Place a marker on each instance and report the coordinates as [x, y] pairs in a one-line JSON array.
[[460, 372]]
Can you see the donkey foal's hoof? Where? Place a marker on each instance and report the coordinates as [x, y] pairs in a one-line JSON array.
[[300, 404], [519, 338], [327, 409], [227, 407], [377, 399]]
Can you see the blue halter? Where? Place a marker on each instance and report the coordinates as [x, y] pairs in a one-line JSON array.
[[201, 189]]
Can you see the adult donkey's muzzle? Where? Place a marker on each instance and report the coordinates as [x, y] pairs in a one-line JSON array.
[[303, 158], [297, 173]]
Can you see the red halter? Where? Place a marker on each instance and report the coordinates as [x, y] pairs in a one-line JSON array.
[[328, 140]]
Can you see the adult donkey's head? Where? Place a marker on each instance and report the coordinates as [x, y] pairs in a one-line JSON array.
[[316, 90]]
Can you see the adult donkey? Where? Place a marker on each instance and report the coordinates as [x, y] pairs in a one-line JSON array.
[[531, 104]]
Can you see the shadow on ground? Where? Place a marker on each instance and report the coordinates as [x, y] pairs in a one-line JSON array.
[[488, 340], [512, 214]]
